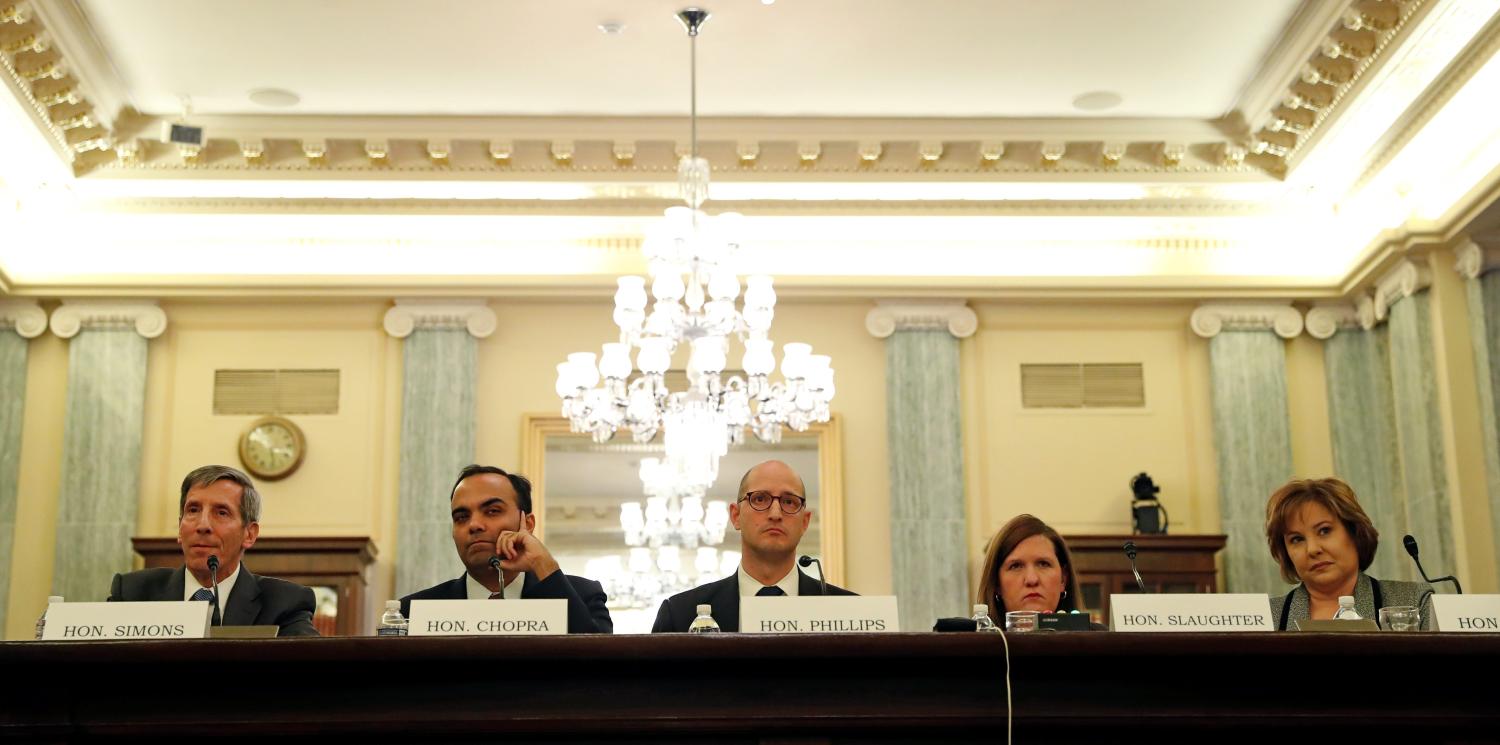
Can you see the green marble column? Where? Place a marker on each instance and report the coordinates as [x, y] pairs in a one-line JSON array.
[[19, 321], [929, 561], [102, 431], [1362, 417], [439, 379], [1419, 434], [1477, 264]]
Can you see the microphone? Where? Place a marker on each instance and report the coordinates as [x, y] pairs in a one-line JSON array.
[[1130, 554], [808, 561], [213, 572], [495, 562], [1411, 548]]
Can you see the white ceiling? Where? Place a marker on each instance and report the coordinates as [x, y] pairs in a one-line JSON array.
[[887, 58]]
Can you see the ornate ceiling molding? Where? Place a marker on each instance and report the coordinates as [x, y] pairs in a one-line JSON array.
[[28, 318], [470, 314], [1356, 44], [1405, 279], [35, 66], [1208, 320], [890, 316], [144, 316], [1476, 259], [1325, 319]]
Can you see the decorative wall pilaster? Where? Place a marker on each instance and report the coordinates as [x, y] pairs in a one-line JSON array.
[[1362, 419], [1477, 262], [1252, 429], [1401, 296], [440, 374], [102, 432], [20, 320], [929, 567]]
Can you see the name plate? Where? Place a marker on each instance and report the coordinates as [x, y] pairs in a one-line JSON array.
[[1191, 612], [180, 619], [820, 614], [1479, 613], [488, 617]]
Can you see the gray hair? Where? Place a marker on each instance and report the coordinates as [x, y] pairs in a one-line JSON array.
[[205, 475]]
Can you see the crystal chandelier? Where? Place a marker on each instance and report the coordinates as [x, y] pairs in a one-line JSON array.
[[645, 577], [695, 288], [674, 513]]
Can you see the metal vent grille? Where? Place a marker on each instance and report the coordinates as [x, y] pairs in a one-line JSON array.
[[276, 392], [1083, 386]]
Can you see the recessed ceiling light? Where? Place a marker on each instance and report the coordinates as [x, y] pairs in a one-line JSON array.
[[1097, 101], [276, 98], [611, 28], [767, 2]]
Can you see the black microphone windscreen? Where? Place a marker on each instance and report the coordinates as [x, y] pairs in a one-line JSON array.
[[805, 561], [213, 563], [1411, 545]]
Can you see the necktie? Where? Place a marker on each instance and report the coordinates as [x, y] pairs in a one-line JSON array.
[[770, 592], [206, 595]]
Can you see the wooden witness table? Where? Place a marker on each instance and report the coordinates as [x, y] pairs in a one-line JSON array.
[[1067, 687]]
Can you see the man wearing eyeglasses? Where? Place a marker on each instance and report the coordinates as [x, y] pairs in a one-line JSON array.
[[771, 515]]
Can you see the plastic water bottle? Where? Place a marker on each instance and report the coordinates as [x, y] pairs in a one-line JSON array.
[[704, 623], [982, 620], [1346, 611], [392, 623], [41, 623]]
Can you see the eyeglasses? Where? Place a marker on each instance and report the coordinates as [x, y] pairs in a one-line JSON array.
[[760, 501]]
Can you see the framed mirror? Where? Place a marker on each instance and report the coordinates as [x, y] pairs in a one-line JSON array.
[[599, 519]]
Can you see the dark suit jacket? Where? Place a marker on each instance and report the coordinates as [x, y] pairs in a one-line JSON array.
[[587, 613], [256, 600], [677, 612]]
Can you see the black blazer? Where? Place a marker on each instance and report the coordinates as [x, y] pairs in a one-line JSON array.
[[677, 612], [587, 613], [256, 600]]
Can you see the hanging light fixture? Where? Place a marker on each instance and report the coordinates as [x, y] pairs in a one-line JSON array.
[[689, 257]]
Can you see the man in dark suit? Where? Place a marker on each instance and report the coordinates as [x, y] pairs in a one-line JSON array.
[[491, 512], [770, 514], [219, 516]]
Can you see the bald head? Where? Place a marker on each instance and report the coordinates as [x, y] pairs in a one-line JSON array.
[[772, 468]]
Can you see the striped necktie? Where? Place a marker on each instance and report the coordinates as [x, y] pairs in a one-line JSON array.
[[206, 595]]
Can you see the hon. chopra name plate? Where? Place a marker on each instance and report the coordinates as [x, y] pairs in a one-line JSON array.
[[488, 617], [821, 614]]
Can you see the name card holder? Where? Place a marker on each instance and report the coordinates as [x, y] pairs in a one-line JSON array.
[[1191, 612], [171, 619], [488, 618], [1467, 613], [1338, 626], [821, 614]]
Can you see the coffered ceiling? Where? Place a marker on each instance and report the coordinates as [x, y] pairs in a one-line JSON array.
[[1220, 147]]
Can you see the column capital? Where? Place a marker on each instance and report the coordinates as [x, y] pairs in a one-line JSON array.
[[1405, 279], [470, 314], [1208, 320], [890, 316], [26, 316], [144, 316], [1325, 319], [1478, 256]]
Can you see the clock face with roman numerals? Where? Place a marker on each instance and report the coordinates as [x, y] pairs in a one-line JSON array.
[[272, 448]]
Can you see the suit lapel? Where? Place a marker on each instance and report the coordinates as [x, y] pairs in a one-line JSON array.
[[176, 585], [807, 585], [244, 601], [726, 600]]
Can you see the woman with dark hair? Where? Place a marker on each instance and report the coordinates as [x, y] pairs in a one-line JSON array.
[[1027, 567], [1320, 535]]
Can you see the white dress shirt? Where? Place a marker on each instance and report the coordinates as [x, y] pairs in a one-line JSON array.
[[750, 585], [480, 592], [226, 585]]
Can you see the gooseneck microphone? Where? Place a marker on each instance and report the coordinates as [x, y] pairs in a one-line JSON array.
[[213, 573], [495, 562], [1130, 554], [807, 561], [1411, 548]]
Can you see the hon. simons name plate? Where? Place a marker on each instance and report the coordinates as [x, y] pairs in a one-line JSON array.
[[1191, 612], [166, 619], [488, 617], [820, 614]]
